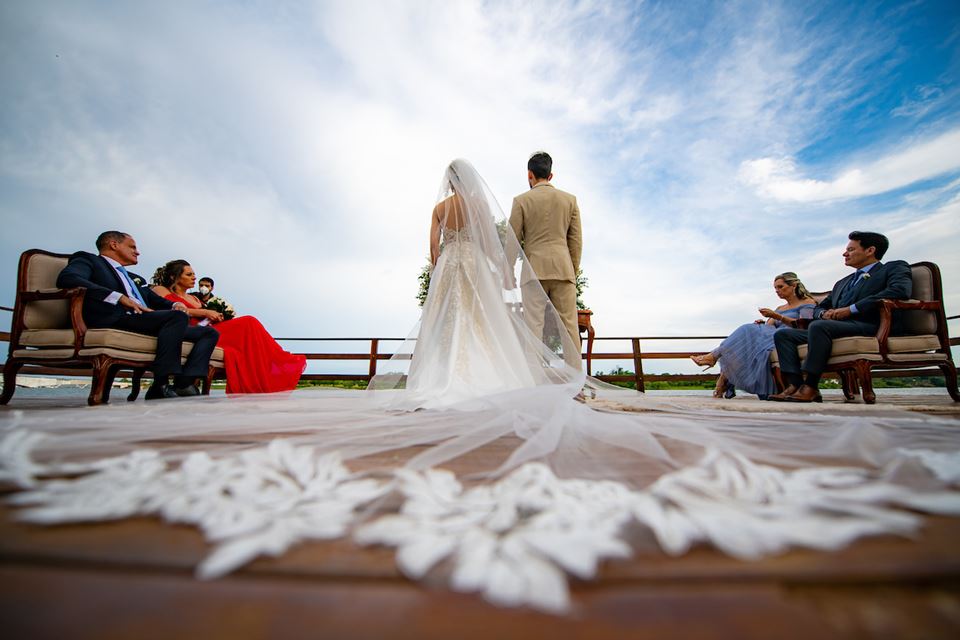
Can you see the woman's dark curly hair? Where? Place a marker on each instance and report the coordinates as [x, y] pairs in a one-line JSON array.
[[169, 273]]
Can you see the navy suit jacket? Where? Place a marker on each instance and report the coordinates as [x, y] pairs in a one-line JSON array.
[[892, 280], [101, 279]]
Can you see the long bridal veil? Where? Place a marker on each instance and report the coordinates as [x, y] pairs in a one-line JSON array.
[[498, 477], [478, 334]]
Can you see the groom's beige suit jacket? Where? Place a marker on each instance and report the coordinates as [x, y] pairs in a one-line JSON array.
[[547, 222]]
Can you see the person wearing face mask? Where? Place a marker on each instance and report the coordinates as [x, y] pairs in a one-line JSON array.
[[204, 291], [254, 362]]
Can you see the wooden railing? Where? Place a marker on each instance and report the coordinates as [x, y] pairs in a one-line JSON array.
[[372, 354]]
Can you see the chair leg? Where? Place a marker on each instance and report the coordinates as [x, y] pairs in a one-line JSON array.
[[10, 369], [866, 381], [950, 378], [112, 372], [207, 382], [848, 380], [101, 372], [135, 385]]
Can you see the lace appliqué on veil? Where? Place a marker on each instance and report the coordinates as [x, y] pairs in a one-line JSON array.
[[511, 540]]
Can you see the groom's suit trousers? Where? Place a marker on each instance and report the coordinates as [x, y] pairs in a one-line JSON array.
[[819, 340], [563, 295]]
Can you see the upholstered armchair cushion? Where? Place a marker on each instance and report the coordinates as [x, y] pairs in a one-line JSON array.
[[115, 338], [119, 342], [42, 272], [919, 322], [848, 349]]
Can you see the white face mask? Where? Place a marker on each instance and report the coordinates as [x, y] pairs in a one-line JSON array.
[[204, 290]]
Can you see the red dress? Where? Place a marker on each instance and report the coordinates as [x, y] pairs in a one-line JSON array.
[[255, 363]]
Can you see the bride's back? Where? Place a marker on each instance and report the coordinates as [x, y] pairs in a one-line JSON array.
[[450, 213]]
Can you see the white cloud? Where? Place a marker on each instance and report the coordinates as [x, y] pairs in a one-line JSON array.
[[778, 178], [294, 151]]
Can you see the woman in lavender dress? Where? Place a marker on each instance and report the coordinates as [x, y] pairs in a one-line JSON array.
[[744, 356]]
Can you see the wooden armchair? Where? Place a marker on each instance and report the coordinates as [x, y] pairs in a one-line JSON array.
[[923, 340], [48, 330]]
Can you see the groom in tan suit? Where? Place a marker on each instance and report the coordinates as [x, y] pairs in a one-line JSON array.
[[546, 221]]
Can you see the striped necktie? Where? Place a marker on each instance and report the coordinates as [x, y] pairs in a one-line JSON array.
[[133, 286]]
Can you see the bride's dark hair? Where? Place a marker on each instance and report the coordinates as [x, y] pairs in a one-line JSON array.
[[169, 273]]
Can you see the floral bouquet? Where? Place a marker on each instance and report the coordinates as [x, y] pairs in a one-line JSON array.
[[221, 306], [424, 279]]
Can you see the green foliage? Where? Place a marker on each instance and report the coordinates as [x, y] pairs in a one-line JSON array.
[[424, 279], [582, 283], [339, 384], [908, 381]]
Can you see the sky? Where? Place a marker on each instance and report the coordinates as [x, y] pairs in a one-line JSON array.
[[294, 150]]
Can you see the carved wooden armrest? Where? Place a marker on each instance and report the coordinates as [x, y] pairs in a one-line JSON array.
[[75, 296], [52, 294], [887, 308]]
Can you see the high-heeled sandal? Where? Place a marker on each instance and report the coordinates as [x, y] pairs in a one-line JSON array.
[[696, 361]]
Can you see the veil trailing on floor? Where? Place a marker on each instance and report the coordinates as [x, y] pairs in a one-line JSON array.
[[471, 456]]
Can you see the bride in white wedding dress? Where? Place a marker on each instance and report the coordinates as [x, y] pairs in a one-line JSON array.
[[552, 486], [474, 338]]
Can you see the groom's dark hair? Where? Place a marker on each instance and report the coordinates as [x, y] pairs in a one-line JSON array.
[[540, 165], [869, 239]]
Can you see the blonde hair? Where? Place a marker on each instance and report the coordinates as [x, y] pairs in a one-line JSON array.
[[793, 280]]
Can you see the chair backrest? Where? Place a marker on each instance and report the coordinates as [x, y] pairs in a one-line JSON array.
[[38, 272], [926, 287]]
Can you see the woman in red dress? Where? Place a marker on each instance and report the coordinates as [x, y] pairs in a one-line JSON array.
[[255, 363]]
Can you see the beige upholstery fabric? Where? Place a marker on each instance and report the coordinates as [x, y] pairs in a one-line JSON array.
[[47, 337], [907, 357], [94, 338], [135, 356], [45, 354], [847, 346], [920, 322], [42, 272], [900, 344]]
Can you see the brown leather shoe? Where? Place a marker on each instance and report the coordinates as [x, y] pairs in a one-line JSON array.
[[805, 393], [782, 396]]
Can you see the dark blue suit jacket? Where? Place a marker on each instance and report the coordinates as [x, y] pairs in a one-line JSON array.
[[892, 280], [100, 279]]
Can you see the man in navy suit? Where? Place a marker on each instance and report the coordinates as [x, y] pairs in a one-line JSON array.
[[118, 299], [851, 309]]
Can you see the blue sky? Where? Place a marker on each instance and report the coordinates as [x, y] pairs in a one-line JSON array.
[[293, 150]]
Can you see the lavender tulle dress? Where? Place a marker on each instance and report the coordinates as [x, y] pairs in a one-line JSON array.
[[744, 356]]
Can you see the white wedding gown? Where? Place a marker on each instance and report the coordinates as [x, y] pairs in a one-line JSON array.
[[568, 478]]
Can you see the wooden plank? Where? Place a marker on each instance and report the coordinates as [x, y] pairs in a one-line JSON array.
[[51, 602]]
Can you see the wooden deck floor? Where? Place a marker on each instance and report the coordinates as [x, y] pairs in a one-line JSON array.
[[134, 579]]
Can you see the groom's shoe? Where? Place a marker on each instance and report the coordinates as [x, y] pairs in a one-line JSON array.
[[805, 393], [159, 391], [187, 391], [782, 396]]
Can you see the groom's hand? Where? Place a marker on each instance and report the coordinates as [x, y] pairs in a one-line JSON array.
[[837, 314]]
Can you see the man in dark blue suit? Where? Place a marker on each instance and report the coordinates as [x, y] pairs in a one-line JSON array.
[[118, 299], [851, 309]]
